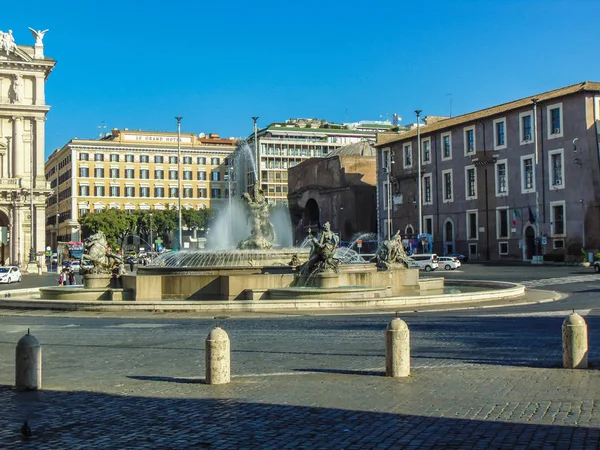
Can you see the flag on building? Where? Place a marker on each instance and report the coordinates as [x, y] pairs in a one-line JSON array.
[[515, 216], [531, 217]]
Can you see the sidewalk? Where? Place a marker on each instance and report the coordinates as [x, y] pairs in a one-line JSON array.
[[477, 382]]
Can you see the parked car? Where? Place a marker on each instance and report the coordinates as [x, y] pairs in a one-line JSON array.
[[449, 262], [131, 259], [424, 261], [10, 274], [462, 258]]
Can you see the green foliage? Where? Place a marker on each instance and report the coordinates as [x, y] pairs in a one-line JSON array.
[[584, 255], [114, 223], [597, 257]]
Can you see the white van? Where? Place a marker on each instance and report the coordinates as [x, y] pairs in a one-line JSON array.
[[425, 261]]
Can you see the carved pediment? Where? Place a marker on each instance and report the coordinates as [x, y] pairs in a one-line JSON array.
[[16, 55]]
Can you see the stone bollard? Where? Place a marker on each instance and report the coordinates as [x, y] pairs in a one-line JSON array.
[[28, 364], [575, 342], [397, 356], [218, 368]]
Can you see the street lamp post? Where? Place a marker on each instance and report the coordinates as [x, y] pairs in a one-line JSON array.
[[536, 258], [180, 239], [31, 214], [151, 241], [256, 155], [419, 181]]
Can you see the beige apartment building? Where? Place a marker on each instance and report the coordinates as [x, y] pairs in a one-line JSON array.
[[134, 170]]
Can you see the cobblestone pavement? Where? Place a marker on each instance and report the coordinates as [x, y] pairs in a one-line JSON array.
[[487, 380]]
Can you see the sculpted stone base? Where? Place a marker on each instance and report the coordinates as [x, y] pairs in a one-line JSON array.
[[96, 281], [326, 279]]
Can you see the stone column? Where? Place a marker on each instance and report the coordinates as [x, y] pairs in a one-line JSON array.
[[39, 91], [40, 231], [13, 238], [39, 170], [16, 236], [17, 147]]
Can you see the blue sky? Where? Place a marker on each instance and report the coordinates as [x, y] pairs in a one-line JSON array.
[[133, 64]]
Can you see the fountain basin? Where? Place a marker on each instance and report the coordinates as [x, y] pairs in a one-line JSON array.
[[80, 293]]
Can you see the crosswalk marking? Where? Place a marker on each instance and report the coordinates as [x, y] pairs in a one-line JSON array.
[[561, 280]]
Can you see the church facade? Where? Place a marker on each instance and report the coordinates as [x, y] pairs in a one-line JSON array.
[[23, 187]]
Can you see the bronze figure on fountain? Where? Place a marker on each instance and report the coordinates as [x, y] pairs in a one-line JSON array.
[[321, 257], [391, 253], [262, 235]]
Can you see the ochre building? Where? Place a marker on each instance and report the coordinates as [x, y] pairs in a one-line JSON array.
[[134, 170]]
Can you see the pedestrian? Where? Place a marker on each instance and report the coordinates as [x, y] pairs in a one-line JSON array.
[[131, 266], [72, 278]]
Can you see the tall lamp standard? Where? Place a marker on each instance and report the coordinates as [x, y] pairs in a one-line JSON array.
[[536, 258], [256, 155], [180, 239], [387, 170], [31, 213], [419, 188], [151, 241]]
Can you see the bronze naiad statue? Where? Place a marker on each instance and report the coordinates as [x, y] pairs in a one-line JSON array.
[[262, 235], [101, 260], [392, 253], [322, 254]]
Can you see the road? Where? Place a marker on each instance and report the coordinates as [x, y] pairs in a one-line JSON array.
[[484, 378]]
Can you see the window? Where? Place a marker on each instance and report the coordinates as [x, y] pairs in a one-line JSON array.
[[99, 190], [99, 157], [202, 192], [144, 173], [187, 174], [472, 224], [499, 134], [115, 191], [470, 182], [556, 168], [502, 223], [557, 218], [503, 248], [426, 144], [84, 190], [201, 160], [129, 158], [172, 159], [99, 172], [215, 193], [526, 127], [215, 161], [428, 224], [84, 157], [408, 156], [159, 159], [527, 178], [187, 192], [427, 199], [201, 175], [173, 192], [84, 172], [114, 172], [114, 157], [558, 243], [159, 174], [446, 146], [129, 172], [215, 175], [144, 191], [469, 140], [385, 160], [144, 158], [555, 119], [159, 191], [129, 191], [448, 188], [187, 159], [501, 178], [172, 174]]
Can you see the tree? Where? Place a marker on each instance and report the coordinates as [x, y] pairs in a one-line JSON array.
[[114, 223], [196, 219]]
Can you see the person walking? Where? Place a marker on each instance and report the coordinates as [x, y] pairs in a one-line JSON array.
[[72, 278], [131, 266]]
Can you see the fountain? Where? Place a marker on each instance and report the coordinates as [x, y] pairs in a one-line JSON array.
[[246, 267]]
